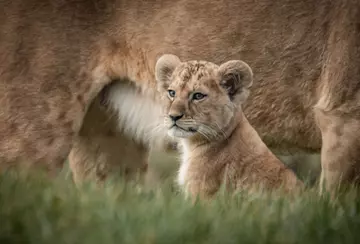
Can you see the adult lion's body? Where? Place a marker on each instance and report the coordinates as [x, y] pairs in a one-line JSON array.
[[57, 55]]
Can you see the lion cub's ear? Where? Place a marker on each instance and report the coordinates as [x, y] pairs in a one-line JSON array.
[[164, 68], [236, 77]]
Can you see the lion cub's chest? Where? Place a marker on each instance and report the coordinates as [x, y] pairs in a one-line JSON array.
[[196, 166], [184, 164]]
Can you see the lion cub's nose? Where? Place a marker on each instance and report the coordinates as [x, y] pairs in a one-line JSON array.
[[175, 117]]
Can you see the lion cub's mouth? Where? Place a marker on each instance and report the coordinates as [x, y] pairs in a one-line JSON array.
[[190, 129], [178, 131]]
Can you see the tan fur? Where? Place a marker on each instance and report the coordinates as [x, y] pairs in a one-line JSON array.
[[218, 143], [57, 55]]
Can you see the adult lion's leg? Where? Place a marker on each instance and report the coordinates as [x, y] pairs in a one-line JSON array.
[[337, 110], [37, 129], [121, 127], [45, 152], [101, 150], [340, 153]]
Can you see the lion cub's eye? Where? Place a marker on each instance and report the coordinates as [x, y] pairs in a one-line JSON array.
[[198, 96], [171, 93]]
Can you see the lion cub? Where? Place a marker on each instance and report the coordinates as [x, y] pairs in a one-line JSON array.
[[203, 104]]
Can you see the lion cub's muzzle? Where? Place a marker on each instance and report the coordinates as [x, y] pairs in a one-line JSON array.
[[178, 126]]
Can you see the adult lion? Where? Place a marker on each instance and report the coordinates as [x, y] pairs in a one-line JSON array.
[[57, 55]]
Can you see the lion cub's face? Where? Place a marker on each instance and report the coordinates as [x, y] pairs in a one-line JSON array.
[[201, 97]]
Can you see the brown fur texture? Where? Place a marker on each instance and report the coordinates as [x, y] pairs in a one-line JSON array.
[[57, 55], [203, 109]]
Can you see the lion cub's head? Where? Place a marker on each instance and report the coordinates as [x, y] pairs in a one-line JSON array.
[[201, 97]]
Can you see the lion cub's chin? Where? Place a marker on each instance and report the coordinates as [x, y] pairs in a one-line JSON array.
[[180, 133]]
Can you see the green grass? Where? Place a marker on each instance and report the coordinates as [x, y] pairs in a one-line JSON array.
[[35, 210]]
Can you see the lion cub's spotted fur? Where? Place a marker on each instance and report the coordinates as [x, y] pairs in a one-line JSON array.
[[218, 143]]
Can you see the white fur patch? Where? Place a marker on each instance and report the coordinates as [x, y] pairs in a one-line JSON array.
[[179, 133], [184, 165], [139, 115]]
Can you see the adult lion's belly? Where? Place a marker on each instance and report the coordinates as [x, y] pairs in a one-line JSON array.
[[282, 122]]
